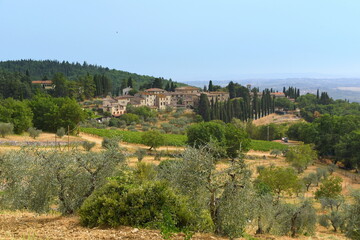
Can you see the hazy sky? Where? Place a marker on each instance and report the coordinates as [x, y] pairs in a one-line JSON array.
[[189, 39]]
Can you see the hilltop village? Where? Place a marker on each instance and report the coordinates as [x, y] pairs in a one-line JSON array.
[[157, 98]]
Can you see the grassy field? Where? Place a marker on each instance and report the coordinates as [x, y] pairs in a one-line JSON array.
[[265, 146], [172, 139]]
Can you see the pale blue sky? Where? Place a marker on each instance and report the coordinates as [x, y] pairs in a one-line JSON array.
[[188, 39]]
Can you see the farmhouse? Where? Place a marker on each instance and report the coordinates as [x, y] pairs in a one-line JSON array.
[[158, 98], [45, 84]]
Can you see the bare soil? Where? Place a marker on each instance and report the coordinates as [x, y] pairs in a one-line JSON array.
[[276, 118], [24, 225]]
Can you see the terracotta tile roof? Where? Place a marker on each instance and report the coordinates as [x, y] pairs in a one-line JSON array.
[[42, 82], [124, 97], [154, 90], [186, 88]]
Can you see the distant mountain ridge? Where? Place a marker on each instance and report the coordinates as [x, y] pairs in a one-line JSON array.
[[337, 88], [38, 69]]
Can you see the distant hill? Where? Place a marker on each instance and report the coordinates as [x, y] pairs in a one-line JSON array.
[[47, 68], [339, 88]]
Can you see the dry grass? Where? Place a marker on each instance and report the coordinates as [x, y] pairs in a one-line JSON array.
[[275, 118]]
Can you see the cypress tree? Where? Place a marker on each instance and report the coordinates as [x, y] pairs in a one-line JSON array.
[[204, 107], [210, 88]]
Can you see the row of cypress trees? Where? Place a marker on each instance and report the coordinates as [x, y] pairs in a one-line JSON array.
[[248, 106]]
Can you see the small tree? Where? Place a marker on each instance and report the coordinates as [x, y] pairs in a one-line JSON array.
[[334, 215], [279, 180], [153, 139], [312, 178], [60, 132], [276, 152], [110, 143], [301, 156], [33, 132], [353, 217], [140, 154], [88, 145], [302, 217], [6, 129], [329, 188]]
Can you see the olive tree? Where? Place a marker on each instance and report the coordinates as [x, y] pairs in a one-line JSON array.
[[353, 217], [301, 156], [223, 195], [34, 180], [6, 129], [33, 132], [334, 212], [153, 139], [279, 180]]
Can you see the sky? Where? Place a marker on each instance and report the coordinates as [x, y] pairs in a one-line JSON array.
[[189, 40]]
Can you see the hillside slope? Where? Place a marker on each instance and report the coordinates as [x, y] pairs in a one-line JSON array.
[[47, 68]]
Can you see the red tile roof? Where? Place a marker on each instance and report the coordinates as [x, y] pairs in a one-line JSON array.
[[154, 90], [42, 82]]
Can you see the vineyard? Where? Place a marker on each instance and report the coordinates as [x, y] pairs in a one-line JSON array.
[[172, 139]]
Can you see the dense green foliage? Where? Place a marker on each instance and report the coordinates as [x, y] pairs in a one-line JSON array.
[[132, 203], [243, 104], [17, 113], [16, 77], [334, 136], [226, 137], [51, 114]]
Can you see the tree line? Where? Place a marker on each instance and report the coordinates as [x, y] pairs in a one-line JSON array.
[[42, 112], [16, 73]]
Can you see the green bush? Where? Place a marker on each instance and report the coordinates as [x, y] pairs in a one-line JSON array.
[[135, 204], [33, 132], [140, 154], [110, 143], [60, 132], [88, 145], [6, 129]]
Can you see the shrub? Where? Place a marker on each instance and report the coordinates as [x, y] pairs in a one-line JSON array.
[[115, 122], [134, 204], [33, 132], [140, 154], [88, 145], [110, 143], [129, 118], [6, 129], [60, 132]]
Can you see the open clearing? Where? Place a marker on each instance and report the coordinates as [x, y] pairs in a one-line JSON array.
[[276, 118]]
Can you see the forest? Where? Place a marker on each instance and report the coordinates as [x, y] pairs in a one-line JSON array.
[[76, 80]]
